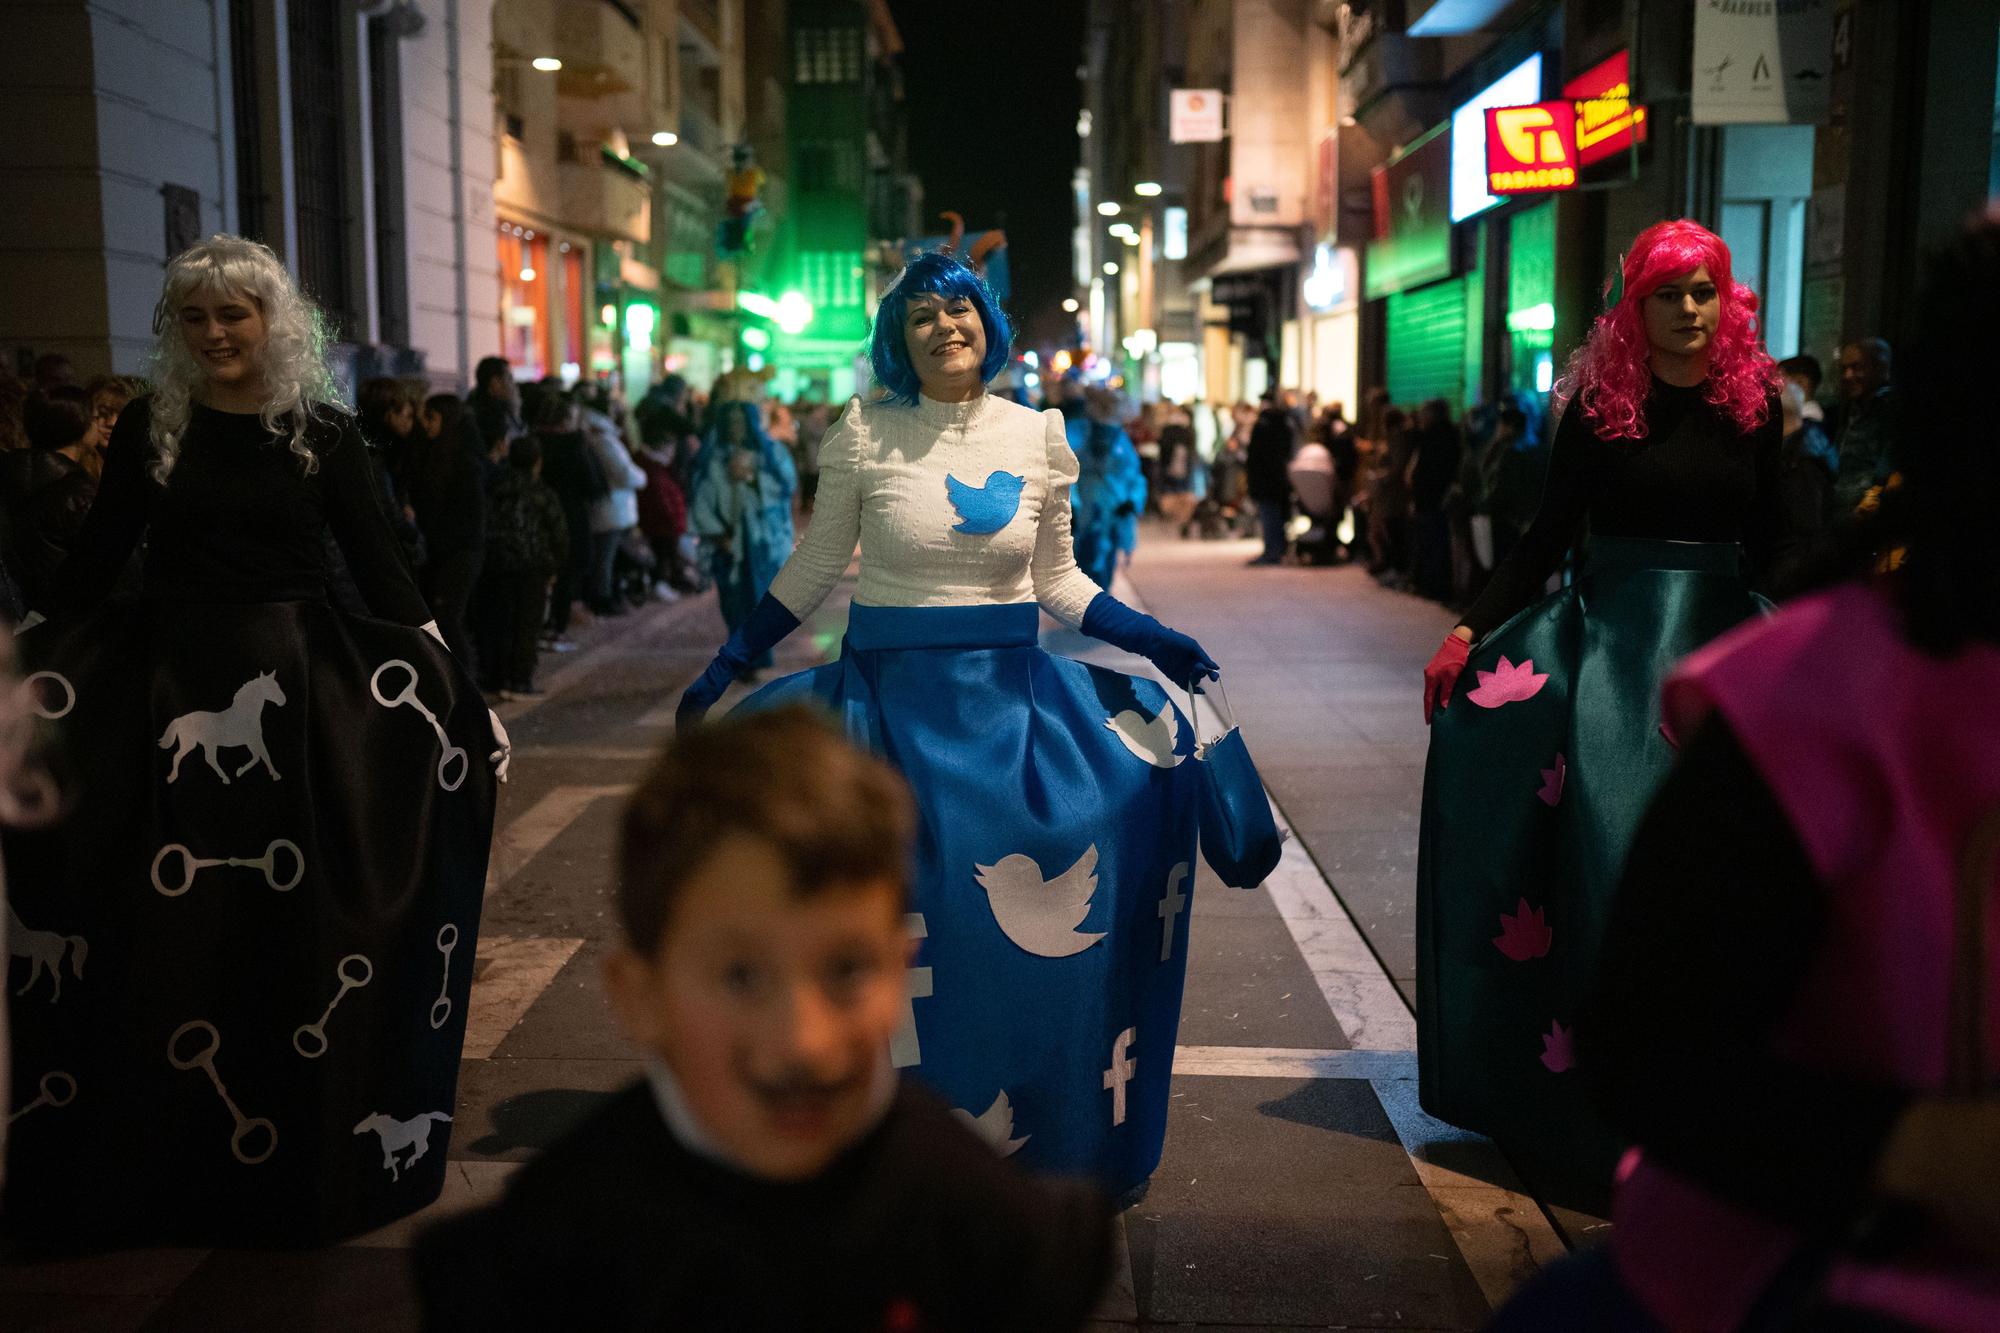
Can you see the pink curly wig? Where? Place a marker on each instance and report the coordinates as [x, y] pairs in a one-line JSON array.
[[1611, 374]]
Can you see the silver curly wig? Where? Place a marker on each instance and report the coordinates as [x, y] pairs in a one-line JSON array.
[[297, 385]]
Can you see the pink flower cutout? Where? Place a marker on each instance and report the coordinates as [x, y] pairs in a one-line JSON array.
[[1507, 684], [1558, 1052], [1523, 935], [1552, 781]]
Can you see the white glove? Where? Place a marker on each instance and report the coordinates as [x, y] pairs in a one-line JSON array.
[[503, 756]]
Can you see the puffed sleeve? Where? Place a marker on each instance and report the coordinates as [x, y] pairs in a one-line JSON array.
[[1064, 591], [819, 560]]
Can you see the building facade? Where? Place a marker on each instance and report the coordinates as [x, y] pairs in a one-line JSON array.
[[352, 136]]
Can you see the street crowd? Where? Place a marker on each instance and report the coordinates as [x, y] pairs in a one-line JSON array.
[[1771, 1026]]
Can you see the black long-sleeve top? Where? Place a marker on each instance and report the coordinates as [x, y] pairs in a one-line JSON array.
[[239, 520], [1694, 478], [1715, 927]]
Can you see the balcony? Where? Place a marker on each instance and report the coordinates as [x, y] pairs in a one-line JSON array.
[[603, 51], [606, 201]]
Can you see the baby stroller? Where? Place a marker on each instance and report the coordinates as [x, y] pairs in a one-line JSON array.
[[1312, 476]]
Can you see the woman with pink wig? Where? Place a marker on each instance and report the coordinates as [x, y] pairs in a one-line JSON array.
[[1666, 465]]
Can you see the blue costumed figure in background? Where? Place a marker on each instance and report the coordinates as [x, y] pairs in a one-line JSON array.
[[1110, 488], [1059, 805], [742, 511]]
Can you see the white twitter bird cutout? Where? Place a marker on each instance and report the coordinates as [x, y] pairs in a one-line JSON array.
[[995, 1126], [1040, 915], [1151, 739]]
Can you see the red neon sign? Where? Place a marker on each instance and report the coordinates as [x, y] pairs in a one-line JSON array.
[[1531, 149], [1607, 121]]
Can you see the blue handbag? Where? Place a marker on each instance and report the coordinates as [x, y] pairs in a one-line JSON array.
[[1239, 837]]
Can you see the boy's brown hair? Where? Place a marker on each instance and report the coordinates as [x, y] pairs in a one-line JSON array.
[[832, 814]]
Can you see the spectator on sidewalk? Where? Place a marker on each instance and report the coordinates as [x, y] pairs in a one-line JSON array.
[[46, 489], [614, 514], [571, 470], [527, 543], [495, 402], [13, 403], [1809, 454], [770, 1173], [1867, 426], [447, 476], [1433, 468], [386, 409], [53, 370], [108, 396], [742, 509], [663, 514], [1804, 370], [1274, 438]]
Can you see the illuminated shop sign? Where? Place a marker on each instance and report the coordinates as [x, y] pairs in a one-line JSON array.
[[1607, 121], [1531, 149], [1517, 87]]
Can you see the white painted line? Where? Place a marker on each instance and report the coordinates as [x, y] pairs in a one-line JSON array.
[[520, 841], [660, 715], [512, 973], [1277, 1062], [1366, 1004], [1120, 1304]]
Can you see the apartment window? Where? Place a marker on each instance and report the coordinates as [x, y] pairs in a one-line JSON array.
[[827, 55], [831, 277], [319, 144], [246, 102], [385, 131]]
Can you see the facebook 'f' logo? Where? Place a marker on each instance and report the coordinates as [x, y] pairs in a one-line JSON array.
[[1123, 1067]]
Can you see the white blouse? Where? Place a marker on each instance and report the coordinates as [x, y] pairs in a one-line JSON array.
[[954, 504]]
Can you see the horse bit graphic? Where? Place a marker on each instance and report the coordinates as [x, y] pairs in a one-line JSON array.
[[35, 696], [50, 1096], [348, 982], [268, 863], [447, 941], [453, 754], [205, 1061]]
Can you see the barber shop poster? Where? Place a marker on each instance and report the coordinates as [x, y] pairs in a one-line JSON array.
[[1762, 61]]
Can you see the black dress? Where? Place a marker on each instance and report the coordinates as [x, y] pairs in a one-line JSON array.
[[618, 1228], [273, 860], [1550, 748]]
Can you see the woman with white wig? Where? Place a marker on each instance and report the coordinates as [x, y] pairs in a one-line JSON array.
[[278, 817]]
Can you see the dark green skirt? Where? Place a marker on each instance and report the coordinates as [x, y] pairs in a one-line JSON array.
[[1539, 771]]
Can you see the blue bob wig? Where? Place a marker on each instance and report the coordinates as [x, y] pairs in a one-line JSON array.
[[944, 276]]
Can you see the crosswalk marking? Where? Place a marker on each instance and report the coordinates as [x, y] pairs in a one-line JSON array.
[[519, 843], [512, 972], [1274, 1062]]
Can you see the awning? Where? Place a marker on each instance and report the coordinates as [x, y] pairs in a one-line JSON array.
[[1253, 248]]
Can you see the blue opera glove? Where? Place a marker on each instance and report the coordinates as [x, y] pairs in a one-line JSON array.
[[1179, 658], [768, 623]]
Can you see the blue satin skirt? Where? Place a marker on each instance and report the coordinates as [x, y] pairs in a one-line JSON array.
[[1054, 875]]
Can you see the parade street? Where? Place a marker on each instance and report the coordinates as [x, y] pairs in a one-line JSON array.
[[1301, 1186]]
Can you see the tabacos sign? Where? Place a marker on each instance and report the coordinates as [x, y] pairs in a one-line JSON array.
[[1531, 149], [1542, 147]]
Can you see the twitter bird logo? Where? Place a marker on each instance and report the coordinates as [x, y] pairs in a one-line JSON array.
[[1153, 739], [995, 1125], [985, 509], [1042, 916]]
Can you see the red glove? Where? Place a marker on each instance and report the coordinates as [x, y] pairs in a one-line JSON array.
[[1442, 673]]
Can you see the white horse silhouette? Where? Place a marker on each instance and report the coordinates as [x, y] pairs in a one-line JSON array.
[[242, 723], [44, 951], [397, 1135]]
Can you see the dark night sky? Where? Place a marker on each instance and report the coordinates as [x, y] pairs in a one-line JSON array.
[[992, 99]]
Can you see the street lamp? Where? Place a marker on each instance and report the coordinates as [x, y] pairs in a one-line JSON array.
[[1146, 189], [1109, 208], [1109, 268], [1120, 229], [794, 312], [1069, 305], [546, 64], [665, 138], [1130, 237]]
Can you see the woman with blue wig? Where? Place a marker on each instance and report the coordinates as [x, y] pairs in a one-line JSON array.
[[1059, 820], [742, 511], [1110, 487]]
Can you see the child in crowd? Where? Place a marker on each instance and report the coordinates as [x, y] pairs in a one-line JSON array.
[[769, 1172], [527, 541]]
